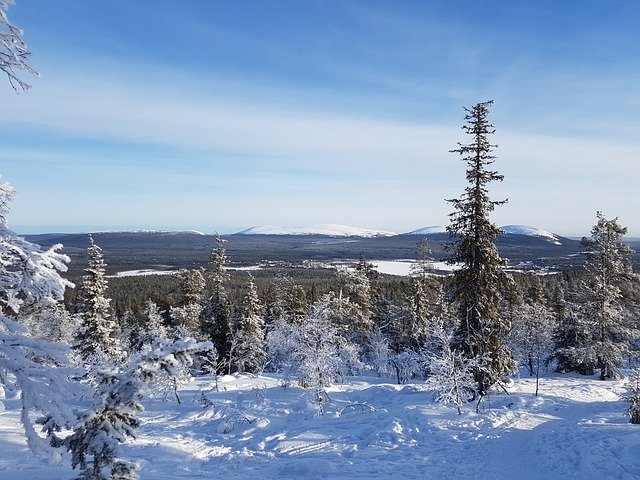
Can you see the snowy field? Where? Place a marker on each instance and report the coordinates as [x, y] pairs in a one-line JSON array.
[[254, 428]]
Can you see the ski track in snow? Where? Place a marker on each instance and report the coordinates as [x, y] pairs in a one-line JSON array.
[[256, 429]]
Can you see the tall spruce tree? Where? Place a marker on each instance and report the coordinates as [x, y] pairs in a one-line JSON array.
[[216, 320], [476, 284], [97, 339], [607, 268]]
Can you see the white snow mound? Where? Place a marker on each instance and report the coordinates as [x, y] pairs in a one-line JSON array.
[[531, 232], [330, 230], [428, 230]]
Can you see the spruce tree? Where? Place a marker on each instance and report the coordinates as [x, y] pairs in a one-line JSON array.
[[476, 284], [573, 339], [216, 319], [97, 338], [607, 268], [187, 316], [354, 302], [249, 341], [422, 308]]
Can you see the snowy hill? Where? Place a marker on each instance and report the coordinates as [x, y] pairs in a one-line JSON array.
[[428, 230], [531, 232], [329, 230], [152, 232], [251, 427]]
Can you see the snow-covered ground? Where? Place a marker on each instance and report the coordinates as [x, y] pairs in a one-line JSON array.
[[531, 232], [254, 428], [403, 267]]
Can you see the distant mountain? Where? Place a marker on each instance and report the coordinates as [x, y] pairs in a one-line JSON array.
[[531, 232], [428, 230], [329, 230]]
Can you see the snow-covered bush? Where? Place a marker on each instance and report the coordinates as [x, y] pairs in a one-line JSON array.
[[451, 373], [407, 364], [312, 351], [379, 356]]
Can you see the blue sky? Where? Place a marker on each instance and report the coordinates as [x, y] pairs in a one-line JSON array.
[[216, 115]]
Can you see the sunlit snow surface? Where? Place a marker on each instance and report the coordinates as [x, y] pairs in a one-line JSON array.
[[254, 428], [531, 232], [428, 230]]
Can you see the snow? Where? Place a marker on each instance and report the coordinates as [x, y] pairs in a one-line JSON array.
[[428, 230], [163, 232], [403, 267], [142, 273], [330, 230], [252, 427], [531, 232]]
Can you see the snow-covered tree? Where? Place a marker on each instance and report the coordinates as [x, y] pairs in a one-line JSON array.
[[607, 267], [34, 369], [355, 304], [113, 418], [248, 353], [153, 328], [216, 318], [98, 337], [50, 322], [407, 364], [531, 338], [452, 375], [379, 353], [280, 344], [314, 360], [633, 399], [312, 351], [27, 272], [574, 349], [291, 303], [476, 284], [13, 51], [187, 316]]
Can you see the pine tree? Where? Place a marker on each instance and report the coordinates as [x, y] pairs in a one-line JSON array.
[[216, 318], [607, 268], [97, 338], [248, 353], [476, 284]]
